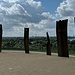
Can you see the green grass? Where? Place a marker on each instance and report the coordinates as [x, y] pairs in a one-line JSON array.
[[72, 52]]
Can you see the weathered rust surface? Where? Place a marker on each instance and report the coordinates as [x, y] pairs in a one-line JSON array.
[[62, 43], [0, 37], [48, 45], [26, 40]]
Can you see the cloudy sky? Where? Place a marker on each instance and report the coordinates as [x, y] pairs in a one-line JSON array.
[[39, 16]]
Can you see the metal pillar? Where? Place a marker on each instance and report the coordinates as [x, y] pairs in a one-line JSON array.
[[62, 43], [26, 40], [48, 45], [0, 37]]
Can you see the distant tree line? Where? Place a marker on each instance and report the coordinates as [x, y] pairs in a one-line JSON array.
[[35, 44]]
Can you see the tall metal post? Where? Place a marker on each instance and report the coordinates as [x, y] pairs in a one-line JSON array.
[[0, 37], [26, 40], [62, 43], [48, 45], [74, 26]]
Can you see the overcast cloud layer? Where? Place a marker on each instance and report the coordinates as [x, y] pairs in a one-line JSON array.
[[15, 15]]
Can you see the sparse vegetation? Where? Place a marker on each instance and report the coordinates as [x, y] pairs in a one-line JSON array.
[[35, 44]]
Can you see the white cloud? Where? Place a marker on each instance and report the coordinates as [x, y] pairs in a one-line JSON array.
[[66, 11], [16, 9], [34, 3], [15, 15], [66, 8]]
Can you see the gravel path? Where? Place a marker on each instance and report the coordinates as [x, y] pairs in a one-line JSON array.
[[19, 63]]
